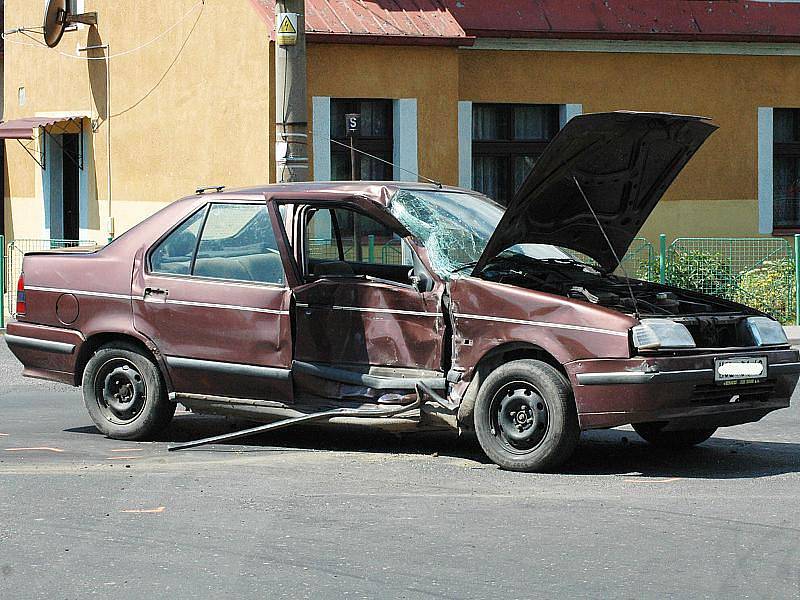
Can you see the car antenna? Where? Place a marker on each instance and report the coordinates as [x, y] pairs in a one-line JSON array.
[[396, 166], [611, 246]]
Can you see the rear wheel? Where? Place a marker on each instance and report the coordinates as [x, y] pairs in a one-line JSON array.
[[125, 394], [525, 417], [680, 439]]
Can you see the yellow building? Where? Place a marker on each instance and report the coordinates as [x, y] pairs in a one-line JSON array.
[[182, 94]]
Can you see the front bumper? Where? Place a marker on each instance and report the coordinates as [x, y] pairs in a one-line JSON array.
[[678, 389]]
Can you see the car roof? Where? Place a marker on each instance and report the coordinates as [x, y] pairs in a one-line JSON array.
[[378, 191]]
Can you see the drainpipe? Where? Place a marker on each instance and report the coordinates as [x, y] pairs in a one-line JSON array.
[[291, 118], [107, 48]]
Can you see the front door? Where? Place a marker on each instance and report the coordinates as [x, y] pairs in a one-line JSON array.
[[356, 306], [212, 296]]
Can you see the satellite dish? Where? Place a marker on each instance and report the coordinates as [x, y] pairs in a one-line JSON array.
[[55, 21], [57, 18]]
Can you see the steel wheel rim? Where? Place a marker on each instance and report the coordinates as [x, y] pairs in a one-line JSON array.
[[519, 417], [120, 391]]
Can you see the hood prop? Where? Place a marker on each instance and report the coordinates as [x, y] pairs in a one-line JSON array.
[[611, 246]]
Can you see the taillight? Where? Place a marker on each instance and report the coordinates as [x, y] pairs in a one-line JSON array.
[[21, 307]]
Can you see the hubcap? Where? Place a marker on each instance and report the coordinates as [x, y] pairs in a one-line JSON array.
[[120, 391], [519, 417]]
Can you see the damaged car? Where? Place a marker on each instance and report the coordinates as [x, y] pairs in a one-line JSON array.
[[431, 304]]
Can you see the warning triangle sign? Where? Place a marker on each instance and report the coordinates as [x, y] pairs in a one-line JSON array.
[[286, 26]]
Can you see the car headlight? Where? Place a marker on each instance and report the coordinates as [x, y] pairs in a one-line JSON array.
[[765, 331], [654, 334]]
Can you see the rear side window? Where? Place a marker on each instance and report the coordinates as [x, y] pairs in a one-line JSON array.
[[238, 243], [174, 254], [234, 242]]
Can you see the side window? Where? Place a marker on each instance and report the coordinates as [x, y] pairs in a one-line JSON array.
[[238, 243], [174, 254], [364, 240], [345, 242]]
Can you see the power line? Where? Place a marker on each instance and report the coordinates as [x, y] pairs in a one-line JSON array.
[[38, 44], [396, 166]]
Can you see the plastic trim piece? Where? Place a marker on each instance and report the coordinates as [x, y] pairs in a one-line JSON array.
[[700, 375], [38, 344], [229, 368], [371, 381]]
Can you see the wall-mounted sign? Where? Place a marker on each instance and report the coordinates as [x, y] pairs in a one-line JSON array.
[[286, 29]]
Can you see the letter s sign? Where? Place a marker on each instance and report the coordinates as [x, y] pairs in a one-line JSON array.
[[352, 123]]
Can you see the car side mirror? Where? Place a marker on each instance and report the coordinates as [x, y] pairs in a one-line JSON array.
[[420, 279]]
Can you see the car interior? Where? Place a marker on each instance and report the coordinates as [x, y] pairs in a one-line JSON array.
[[331, 250]]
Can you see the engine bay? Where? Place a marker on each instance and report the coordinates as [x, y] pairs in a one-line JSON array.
[[579, 281], [713, 322]]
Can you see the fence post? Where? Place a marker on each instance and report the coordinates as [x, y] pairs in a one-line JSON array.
[[2, 281], [371, 254], [797, 279], [662, 258]]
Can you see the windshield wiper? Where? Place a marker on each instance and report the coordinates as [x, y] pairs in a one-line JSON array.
[[466, 265]]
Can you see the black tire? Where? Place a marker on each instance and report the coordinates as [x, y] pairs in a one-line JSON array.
[[125, 394], [674, 440], [525, 417]]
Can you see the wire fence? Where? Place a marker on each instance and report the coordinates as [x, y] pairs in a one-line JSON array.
[[15, 251], [758, 272]]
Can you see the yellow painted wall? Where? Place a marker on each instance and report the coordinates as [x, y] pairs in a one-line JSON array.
[[190, 109], [716, 194], [195, 108]]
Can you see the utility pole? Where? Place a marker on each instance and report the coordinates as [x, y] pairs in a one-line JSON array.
[[291, 118]]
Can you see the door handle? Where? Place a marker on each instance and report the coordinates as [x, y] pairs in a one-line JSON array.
[[155, 294]]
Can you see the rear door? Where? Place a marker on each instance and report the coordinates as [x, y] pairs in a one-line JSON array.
[[212, 296]]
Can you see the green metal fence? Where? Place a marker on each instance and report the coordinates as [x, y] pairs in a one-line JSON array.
[[758, 272]]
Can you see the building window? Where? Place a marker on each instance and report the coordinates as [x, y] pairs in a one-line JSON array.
[[786, 168], [506, 141], [375, 138]]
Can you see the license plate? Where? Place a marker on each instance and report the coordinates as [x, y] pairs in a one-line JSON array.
[[748, 369]]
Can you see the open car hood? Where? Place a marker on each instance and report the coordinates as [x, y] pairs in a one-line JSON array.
[[624, 162]]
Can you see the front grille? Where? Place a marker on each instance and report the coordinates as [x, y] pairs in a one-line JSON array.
[[711, 394]]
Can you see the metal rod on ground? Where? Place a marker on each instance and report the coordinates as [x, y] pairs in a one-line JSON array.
[[662, 258], [328, 414]]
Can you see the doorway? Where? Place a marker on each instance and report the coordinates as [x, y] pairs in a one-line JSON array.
[[70, 187], [63, 186]]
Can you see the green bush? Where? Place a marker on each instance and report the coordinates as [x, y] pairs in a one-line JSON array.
[[769, 288], [704, 272]]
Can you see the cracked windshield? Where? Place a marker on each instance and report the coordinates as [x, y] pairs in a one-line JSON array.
[[455, 228]]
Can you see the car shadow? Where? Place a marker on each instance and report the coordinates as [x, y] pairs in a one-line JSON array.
[[606, 452]]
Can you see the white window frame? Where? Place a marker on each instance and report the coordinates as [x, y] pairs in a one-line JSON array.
[[765, 169], [405, 144]]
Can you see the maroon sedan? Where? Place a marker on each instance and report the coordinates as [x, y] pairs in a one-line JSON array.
[[415, 301]]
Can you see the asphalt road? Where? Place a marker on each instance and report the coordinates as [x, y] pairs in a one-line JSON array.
[[349, 512]]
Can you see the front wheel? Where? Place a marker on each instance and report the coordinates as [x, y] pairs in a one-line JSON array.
[[674, 440], [125, 394], [525, 417]]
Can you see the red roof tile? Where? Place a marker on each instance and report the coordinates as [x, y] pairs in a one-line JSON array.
[[393, 21], [456, 21], [720, 20]]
